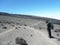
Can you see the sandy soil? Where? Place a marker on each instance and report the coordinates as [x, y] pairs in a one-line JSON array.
[[24, 28]]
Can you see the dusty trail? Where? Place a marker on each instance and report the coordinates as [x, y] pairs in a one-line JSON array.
[[39, 38]]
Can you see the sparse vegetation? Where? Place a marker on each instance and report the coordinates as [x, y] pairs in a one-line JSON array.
[[13, 25], [19, 27], [57, 34], [24, 28], [2, 24], [25, 24], [57, 30], [4, 27], [17, 23], [40, 27], [21, 41], [16, 27], [31, 35]]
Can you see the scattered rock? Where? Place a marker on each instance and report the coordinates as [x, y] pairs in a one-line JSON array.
[[17, 23], [19, 27], [40, 28], [47, 21], [57, 34], [20, 24], [24, 28], [25, 25], [31, 35], [55, 31], [4, 27], [16, 27], [13, 25]]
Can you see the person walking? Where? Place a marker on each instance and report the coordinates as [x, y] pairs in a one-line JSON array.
[[50, 27]]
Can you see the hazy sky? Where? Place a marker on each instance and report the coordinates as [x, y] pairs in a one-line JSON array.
[[45, 8]]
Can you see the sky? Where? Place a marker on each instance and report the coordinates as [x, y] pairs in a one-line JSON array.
[[44, 8]]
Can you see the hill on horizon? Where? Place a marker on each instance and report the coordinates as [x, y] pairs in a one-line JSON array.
[[56, 21]]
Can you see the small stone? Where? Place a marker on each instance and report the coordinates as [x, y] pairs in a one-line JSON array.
[[25, 25], [55, 31], [31, 35], [40, 28], [24, 28], [57, 34], [16, 28], [4, 27]]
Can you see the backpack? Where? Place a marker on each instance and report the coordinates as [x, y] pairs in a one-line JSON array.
[[52, 26]]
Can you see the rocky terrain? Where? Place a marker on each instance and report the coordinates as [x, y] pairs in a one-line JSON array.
[[30, 28]]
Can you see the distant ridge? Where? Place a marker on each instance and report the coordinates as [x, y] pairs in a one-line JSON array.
[[56, 21]]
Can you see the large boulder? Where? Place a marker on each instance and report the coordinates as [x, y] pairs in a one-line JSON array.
[[21, 41]]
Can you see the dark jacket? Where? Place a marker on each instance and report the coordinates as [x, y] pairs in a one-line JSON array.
[[50, 26]]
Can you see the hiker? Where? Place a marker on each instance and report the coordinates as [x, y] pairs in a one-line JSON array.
[[49, 28]]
